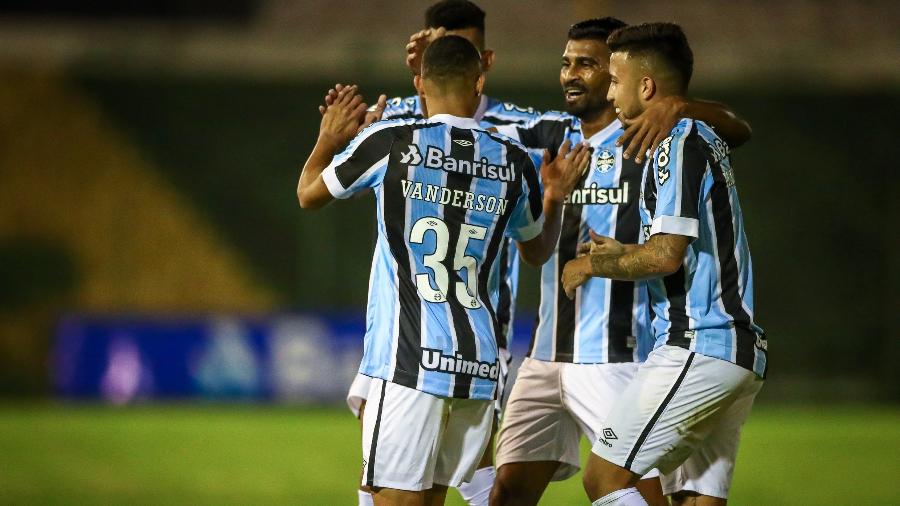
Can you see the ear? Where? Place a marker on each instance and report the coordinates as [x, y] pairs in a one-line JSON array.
[[419, 85], [479, 85], [487, 60], [648, 88]]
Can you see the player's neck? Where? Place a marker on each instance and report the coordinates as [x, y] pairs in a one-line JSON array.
[[451, 105], [593, 123]]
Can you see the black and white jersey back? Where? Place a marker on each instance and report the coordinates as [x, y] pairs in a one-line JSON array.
[[491, 112], [609, 321], [447, 192]]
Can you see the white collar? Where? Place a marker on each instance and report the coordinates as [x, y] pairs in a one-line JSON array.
[[456, 121], [604, 134]]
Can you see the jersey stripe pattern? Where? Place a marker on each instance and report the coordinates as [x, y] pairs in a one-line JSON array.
[[609, 321], [447, 193], [707, 305], [491, 113]]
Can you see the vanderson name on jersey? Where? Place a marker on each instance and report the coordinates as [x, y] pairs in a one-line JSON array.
[[447, 192], [491, 112]]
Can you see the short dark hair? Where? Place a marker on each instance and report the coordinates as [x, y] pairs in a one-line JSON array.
[[666, 41], [596, 28], [450, 58], [455, 15]]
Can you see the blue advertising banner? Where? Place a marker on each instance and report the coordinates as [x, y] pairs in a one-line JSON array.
[[292, 357]]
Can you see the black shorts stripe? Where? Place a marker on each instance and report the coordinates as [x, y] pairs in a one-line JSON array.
[[659, 411], [370, 465]]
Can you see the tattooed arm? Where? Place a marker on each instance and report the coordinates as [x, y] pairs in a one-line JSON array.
[[660, 256]]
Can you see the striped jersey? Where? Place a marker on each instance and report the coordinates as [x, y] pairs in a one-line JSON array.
[[490, 113], [609, 321], [707, 305], [446, 194]]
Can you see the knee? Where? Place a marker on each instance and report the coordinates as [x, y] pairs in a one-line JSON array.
[[501, 492], [602, 477]]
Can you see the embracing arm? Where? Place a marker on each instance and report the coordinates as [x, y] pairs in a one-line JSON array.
[[644, 133], [734, 130], [660, 256]]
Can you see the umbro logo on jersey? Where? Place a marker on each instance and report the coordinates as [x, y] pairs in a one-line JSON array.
[[412, 156], [609, 434], [462, 142], [605, 161]]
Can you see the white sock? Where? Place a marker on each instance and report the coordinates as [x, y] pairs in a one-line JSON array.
[[478, 491], [626, 497], [365, 498]]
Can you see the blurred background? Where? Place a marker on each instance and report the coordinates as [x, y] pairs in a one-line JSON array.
[[152, 252]]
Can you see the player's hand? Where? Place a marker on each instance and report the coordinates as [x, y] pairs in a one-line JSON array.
[[330, 96], [374, 113], [341, 119], [562, 173], [645, 132], [575, 273], [418, 42], [600, 244]]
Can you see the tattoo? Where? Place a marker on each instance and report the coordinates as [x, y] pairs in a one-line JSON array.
[[651, 260]]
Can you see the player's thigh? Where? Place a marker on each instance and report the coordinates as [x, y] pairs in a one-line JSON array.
[[394, 497], [676, 399], [591, 390], [523, 482], [401, 431], [709, 470], [466, 434], [536, 426]]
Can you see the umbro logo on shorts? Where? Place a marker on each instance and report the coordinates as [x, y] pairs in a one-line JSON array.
[[609, 434]]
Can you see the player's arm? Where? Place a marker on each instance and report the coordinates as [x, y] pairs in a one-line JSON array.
[[660, 256], [678, 172], [644, 133], [559, 177], [546, 131], [339, 124]]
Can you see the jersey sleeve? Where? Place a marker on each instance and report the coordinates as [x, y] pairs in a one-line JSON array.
[[362, 164], [401, 108], [546, 131], [527, 219], [679, 167]]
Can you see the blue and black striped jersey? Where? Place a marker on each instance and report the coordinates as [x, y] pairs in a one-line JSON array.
[[447, 192], [490, 113], [609, 321], [707, 305]]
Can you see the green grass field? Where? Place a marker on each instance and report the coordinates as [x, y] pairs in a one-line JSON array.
[[223, 454]]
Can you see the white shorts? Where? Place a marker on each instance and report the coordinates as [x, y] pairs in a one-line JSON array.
[[680, 403], [709, 470], [359, 389], [552, 404], [413, 440]]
